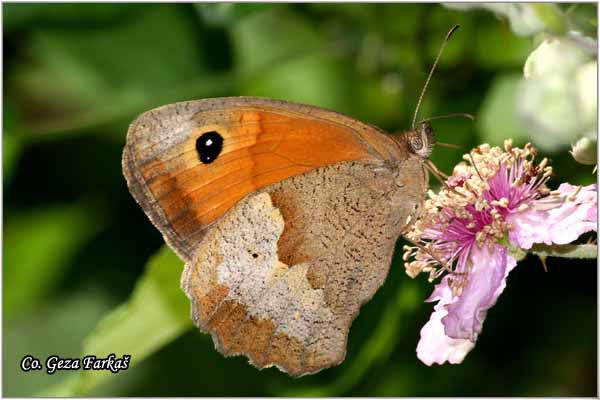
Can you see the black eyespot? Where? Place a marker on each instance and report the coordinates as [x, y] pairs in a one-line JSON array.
[[254, 255], [209, 146]]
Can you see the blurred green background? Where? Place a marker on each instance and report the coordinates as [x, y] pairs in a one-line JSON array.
[[76, 245]]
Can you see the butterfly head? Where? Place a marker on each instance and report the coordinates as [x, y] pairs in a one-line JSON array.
[[421, 140]]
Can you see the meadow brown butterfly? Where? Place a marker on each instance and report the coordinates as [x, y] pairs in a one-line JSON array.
[[286, 216]]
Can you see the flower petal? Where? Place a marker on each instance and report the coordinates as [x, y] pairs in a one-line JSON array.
[[435, 346], [527, 228], [559, 225], [486, 280]]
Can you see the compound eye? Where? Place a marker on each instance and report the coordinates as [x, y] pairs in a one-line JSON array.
[[416, 143]]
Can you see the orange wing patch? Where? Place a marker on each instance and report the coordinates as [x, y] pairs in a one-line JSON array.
[[261, 146]]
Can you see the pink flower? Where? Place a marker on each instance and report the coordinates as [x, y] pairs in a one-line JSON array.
[[496, 202]]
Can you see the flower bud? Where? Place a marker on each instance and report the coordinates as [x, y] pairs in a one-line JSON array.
[[584, 151]]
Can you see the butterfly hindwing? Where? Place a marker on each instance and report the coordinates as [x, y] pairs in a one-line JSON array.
[[282, 275]]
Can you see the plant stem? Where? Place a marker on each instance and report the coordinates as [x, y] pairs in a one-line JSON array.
[[581, 251]]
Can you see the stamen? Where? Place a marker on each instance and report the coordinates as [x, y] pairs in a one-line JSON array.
[[474, 164], [472, 206], [503, 202], [426, 250], [573, 195]]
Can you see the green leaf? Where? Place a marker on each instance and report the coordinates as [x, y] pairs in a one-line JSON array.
[[498, 114], [38, 246], [156, 313]]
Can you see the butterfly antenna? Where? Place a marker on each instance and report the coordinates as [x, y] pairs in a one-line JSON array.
[[449, 145], [450, 32], [451, 115]]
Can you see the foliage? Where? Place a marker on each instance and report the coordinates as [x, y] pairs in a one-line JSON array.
[[75, 242]]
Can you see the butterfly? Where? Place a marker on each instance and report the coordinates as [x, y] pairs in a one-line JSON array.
[[286, 216]]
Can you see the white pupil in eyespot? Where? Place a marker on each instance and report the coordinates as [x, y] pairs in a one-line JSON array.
[[208, 142]]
